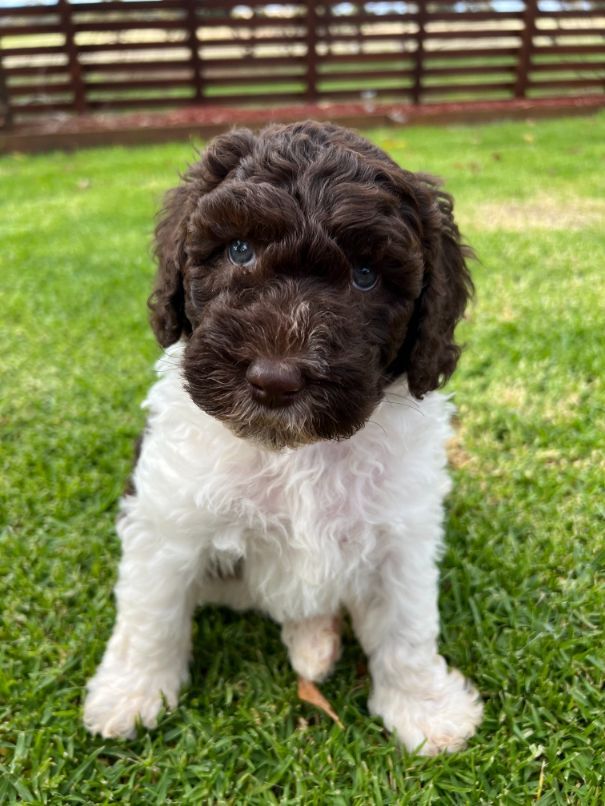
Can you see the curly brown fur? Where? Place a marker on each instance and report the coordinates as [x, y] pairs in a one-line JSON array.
[[316, 201]]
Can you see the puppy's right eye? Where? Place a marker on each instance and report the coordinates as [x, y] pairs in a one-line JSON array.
[[364, 278], [241, 253]]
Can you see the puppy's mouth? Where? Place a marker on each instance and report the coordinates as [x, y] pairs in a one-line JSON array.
[[271, 426], [276, 404]]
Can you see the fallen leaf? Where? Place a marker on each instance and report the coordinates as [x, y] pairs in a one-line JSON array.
[[308, 692]]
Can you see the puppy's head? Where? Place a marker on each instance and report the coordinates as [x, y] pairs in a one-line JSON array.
[[306, 271]]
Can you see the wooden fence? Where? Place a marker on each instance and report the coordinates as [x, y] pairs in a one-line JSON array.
[[79, 57]]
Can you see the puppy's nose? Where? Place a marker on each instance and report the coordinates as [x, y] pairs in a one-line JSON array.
[[273, 382]]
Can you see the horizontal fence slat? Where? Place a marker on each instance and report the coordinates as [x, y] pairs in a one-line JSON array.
[[235, 81], [470, 71], [251, 24], [103, 47], [249, 99], [367, 37], [567, 82], [136, 66], [254, 61], [365, 75], [568, 50], [140, 103], [563, 32], [579, 13], [472, 16], [30, 30], [45, 69], [129, 25], [17, 90], [364, 19], [362, 58], [398, 93], [18, 12], [265, 40], [41, 108], [256, 98], [221, 5], [137, 84], [559, 66], [108, 6], [438, 36], [476, 33], [36, 50], [470, 53], [456, 88]]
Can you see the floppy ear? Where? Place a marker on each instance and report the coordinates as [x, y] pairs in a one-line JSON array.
[[167, 302], [429, 354]]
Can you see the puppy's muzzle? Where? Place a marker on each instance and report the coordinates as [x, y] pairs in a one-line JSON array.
[[274, 383]]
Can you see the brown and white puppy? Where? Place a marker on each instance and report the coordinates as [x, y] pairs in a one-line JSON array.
[[307, 294]]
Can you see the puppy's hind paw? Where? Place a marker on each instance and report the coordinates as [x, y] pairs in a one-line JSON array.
[[313, 645]]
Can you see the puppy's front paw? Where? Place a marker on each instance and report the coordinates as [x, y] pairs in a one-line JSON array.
[[116, 700], [435, 720]]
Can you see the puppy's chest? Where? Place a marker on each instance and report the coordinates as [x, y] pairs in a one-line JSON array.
[[302, 526], [304, 514], [306, 498]]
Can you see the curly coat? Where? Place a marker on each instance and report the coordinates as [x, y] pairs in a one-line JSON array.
[[333, 499], [316, 200]]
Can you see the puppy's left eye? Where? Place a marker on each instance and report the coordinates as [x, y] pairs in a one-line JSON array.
[[364, 278], [241, 252]]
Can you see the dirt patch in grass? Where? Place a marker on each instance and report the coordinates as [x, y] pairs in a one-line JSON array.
[[540, 212]]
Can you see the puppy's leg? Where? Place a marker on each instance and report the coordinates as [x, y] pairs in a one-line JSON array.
[[430, 708], [313, 645], [145, 662]]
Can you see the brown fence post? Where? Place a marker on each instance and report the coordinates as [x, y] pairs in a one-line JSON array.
[[73, 61], [525, 53], [6, 117], [419, 61], [311, 92], [196, 64]]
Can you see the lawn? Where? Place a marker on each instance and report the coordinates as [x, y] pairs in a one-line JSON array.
[[522, 595]]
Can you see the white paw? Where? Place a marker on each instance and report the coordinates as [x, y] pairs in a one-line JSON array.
[[313, 646], [434, 720], [117, 700]]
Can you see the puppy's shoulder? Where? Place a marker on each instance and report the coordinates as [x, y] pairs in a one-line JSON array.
[[409, 425], [177, 429]]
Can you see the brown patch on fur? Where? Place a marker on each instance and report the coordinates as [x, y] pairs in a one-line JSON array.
[[129, 488]]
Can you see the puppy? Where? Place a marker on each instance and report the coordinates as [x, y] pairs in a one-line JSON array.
[[294, 462]]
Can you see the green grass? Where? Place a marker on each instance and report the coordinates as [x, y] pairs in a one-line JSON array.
[[522, 594]]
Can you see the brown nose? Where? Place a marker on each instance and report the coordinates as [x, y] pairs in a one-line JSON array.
[[274, 383]]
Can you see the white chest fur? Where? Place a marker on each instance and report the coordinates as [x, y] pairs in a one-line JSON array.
[[355, 525], [312, 522]]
